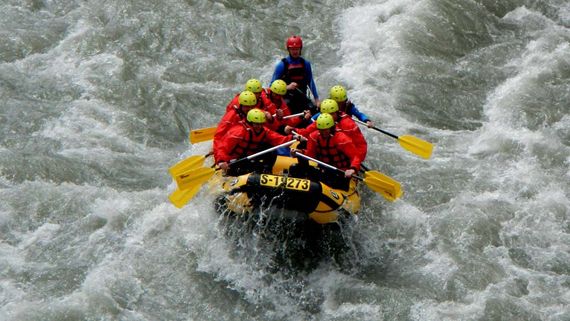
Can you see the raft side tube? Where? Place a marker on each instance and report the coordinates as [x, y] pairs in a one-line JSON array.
[[321, 202]]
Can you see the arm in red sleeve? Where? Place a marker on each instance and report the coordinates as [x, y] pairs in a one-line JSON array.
[[224, 126], [346, 146], [275, 138], [305, 132], [349, 127], [225, 146]]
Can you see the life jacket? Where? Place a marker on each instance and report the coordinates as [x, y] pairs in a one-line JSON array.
[[329, 153], [250, 144], [296, 72]]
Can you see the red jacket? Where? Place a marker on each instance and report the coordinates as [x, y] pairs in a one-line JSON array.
[[231, 118], [241, 141], [272, 108], [337, 150]]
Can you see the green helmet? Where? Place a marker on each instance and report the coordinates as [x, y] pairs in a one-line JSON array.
[[338, 94], [247, 98], [325, 121], [329, 106], [253, 85], [256, 116], [279, 87]]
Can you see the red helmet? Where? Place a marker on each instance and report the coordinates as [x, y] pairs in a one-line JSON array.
[[294, 42]]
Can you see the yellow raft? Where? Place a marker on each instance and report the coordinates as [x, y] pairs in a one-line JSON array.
[[323, 204]]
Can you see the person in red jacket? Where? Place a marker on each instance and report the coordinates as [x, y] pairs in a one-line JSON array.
[[334, 148], [344, 124], [246, 139], [338, 94], [235, 115], [274, 102]]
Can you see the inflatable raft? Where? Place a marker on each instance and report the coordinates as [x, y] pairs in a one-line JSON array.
[[322, 203]]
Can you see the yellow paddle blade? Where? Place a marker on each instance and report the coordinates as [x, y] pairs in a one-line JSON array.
[[180, 198], [202, 135], [186, 164], [383, 184], [194, 177], [415, 145]]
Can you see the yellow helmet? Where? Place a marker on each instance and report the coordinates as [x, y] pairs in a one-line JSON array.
[[338, 94], [279, 87], [256, 116], [247, 98], [329, 106], [325, 121], [253, 85]]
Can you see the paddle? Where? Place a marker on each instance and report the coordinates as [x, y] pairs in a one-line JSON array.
[[205, 134], [291, 116], [376, 181], [411, 143], [202, 135], [198, 176], [180, 197], [194, 177], [186, 164]]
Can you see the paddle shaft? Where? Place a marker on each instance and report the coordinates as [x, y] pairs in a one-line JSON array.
[[411, 143], [263, 152], [291, 116], [325, 164], [376, 128]]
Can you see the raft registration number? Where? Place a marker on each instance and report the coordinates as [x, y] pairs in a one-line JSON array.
[[293, 183]]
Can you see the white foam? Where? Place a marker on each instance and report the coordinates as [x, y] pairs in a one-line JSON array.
[[371, 52]]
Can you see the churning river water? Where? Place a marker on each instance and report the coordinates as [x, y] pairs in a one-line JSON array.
[[97, 99]]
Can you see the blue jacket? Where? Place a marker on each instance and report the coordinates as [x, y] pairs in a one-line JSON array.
[[280, 70]]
